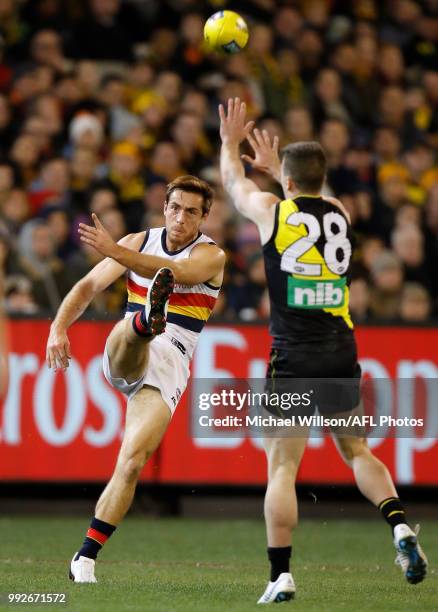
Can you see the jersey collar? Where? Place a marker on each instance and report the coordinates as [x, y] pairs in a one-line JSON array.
[[164, 246]]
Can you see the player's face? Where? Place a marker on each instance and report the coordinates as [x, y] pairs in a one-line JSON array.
[[183, 215]]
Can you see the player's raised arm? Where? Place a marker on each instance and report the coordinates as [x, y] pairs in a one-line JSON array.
[[205, 262], [76, 301], [247, 197]]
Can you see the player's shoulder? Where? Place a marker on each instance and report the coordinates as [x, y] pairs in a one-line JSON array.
[[134, 240], [264, 199], [338, 204], [206, 247]]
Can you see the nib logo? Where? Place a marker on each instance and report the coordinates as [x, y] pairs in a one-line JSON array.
[[316, 294]]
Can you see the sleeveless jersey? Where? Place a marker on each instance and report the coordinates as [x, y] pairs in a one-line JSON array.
[[189, 306], [307, 262]]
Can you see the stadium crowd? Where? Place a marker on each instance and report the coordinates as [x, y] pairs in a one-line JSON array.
[[102, 102]]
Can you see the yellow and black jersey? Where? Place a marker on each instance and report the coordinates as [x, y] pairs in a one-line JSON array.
[[307, 261]]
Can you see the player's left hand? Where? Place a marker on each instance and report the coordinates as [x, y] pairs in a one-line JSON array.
[[266, 157], [97, 237], [234, 128]]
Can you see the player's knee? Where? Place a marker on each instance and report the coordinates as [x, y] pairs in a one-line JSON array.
[[131, 467], [285, 471], [283, 462], [350, 448]]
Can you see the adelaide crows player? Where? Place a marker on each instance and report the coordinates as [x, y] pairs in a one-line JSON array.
[[174, 275], [307, 249]]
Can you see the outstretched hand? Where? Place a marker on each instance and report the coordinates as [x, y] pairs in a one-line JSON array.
[[266, 157], [234, 128], [97, 237]]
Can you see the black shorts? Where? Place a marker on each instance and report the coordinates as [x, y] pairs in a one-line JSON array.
[[328, 376]]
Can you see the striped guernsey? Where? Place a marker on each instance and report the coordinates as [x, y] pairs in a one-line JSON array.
[[189, 306]]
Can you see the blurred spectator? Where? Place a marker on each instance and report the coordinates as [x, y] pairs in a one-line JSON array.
[[387, 277], [327, 98], [46, 49], [86, 131], [25, 154], [408, 245], [287, 25], [245, 292], [113, 96], [102, 200], [18, 296], [52, 185], [370, 249], [359, 300], [83, 167], [154, 205], [391, 65], [108, 31], [192, 143], [124, 177], [408, 214], [51, 279], [334, 137], [59, 225], [165, 163], [299, 124], [114, 223], [47, 107], [415, 305], [190, 59], [15, 210]]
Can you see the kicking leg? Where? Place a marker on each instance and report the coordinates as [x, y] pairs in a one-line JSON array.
[[281, 512], [127, 351], [127, 345], [147, 418]]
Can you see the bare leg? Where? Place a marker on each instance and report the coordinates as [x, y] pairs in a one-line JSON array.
[[128, 353], [147, 418], [372, 476], [281, 511]]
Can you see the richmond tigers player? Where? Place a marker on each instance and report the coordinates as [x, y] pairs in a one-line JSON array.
[[306, 240]]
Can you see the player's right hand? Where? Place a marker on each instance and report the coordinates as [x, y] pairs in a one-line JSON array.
[[233, 125], [58, 351], [266, 158]]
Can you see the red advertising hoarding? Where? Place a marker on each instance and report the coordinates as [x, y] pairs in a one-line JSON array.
[[67, 427]]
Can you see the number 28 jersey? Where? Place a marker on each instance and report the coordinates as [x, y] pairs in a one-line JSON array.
[[307, 261]]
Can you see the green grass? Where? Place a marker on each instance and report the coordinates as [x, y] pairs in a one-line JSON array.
[[189, 565]]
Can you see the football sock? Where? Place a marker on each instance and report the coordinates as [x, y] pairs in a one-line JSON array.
[[97, 534], [392, 511], [140, 324], [279, 558]]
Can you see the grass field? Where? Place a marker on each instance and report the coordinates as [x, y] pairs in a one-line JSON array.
[[188, 565]]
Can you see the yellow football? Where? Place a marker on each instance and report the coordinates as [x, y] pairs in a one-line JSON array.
[[226, 31]]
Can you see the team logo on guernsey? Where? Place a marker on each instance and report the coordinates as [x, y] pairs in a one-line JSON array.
[[315, 293]]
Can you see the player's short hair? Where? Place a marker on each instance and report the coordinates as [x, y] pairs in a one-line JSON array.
[[192, 184], [306, 164]]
